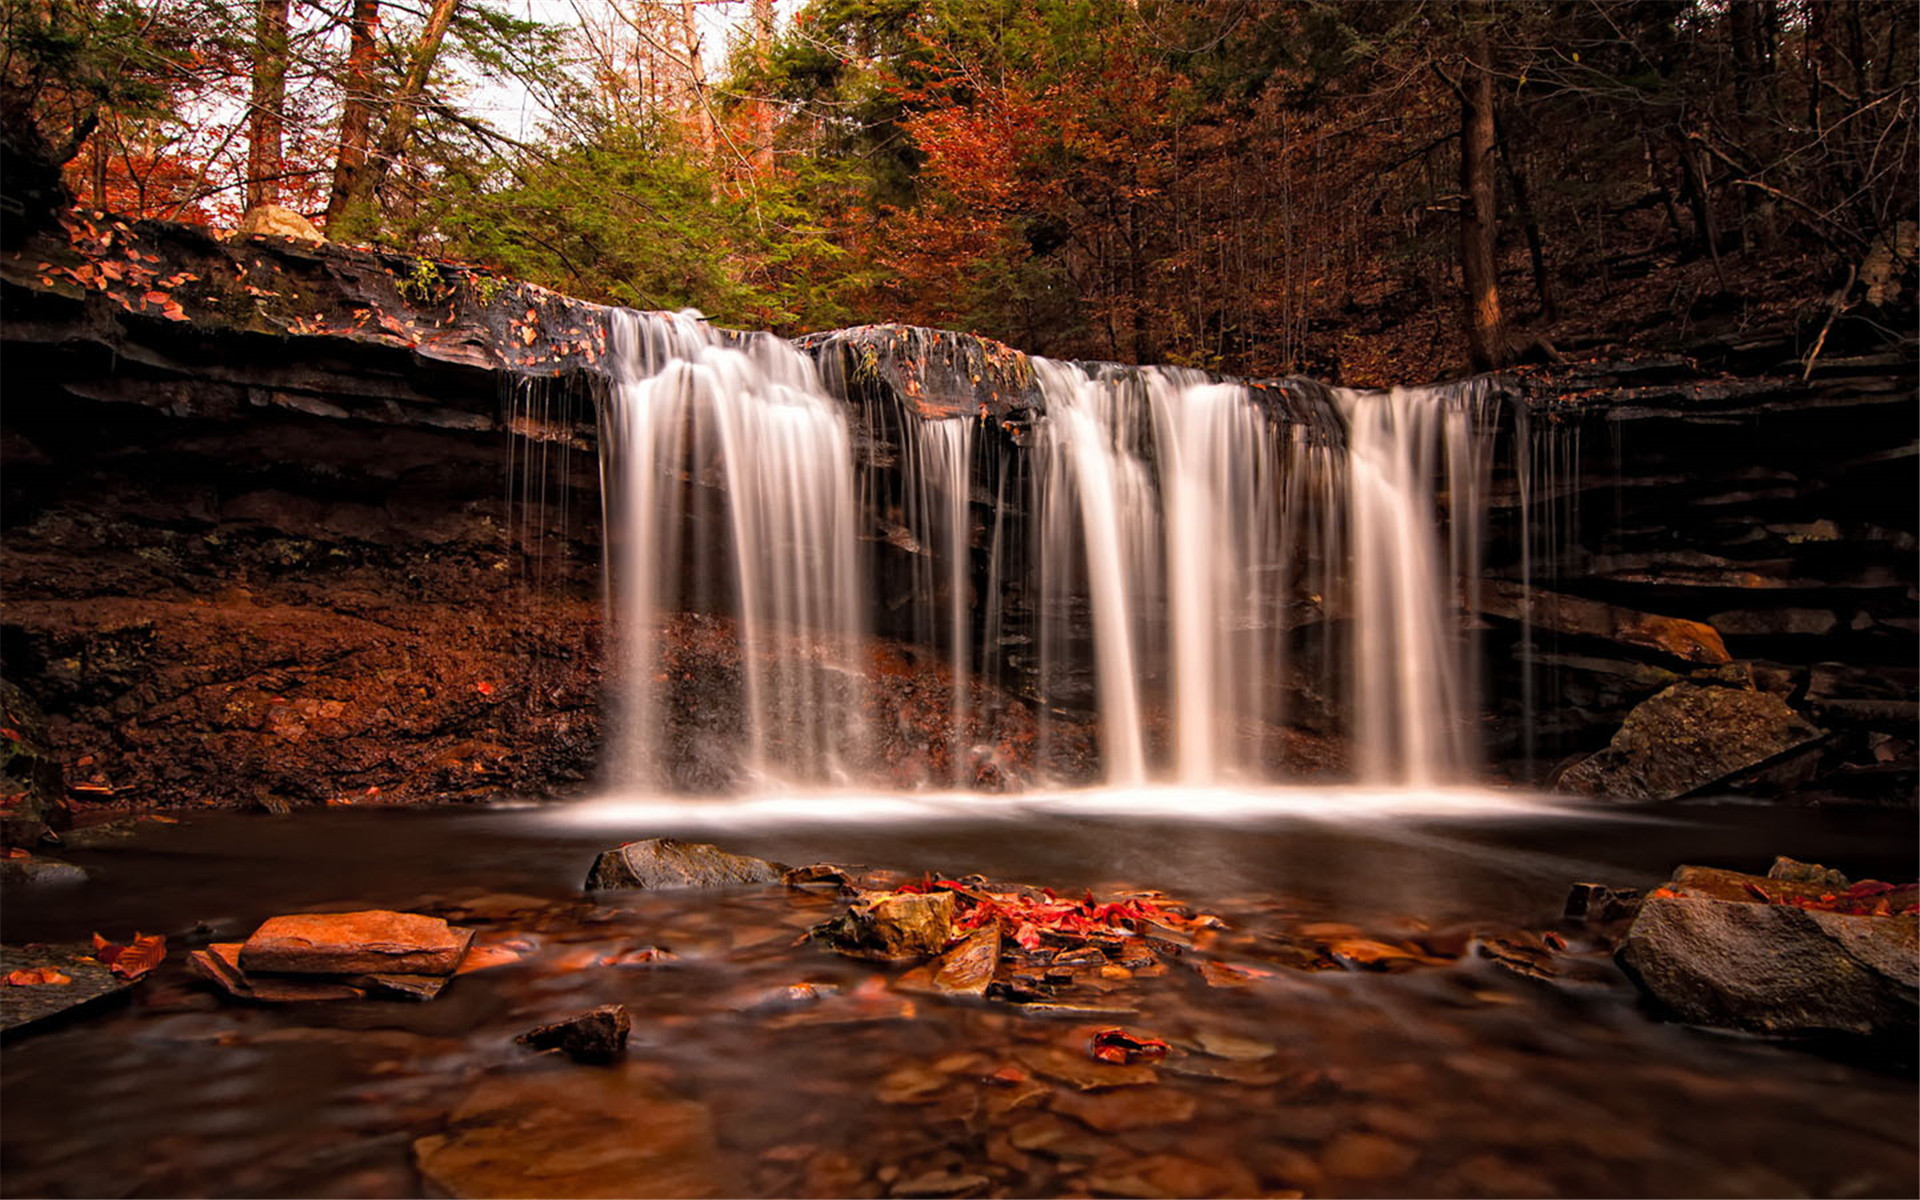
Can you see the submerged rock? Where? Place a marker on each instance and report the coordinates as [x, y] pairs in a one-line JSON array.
[[575, 1134], [1712, 950], [598, 1035], [665, 863], [36, 868], [375, 942], [1687, 738]]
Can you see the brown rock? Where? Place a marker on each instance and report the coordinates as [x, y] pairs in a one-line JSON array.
[[375, 942], [1776, 968], [656, 863], [220, 963], [598, 1035], [1127, 1108], [892, 925], [1686, 739]]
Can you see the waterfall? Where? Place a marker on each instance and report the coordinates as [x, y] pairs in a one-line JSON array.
[[728, 482], [1181, 563]]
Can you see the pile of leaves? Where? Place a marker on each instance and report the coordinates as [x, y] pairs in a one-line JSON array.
[[1032, 916], [1868, 898]]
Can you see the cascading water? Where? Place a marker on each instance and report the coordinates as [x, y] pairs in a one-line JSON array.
[[728, 479], [1189, 557]]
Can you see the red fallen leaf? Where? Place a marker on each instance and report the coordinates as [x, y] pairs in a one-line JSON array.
[[484, 688], [134, 959], [35, 976], [155, 297], [17, 852], [1756, 891], [1116, 1045], [12, 735]]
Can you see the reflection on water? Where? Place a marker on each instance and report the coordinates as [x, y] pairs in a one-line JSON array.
[[1454, 1079]]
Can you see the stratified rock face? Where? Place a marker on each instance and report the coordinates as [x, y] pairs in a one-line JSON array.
[[355, 943], [32, 800], [665, 863], [1775, 968], [1687, 738]]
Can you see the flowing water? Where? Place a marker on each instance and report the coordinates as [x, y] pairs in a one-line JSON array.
[[1453, 1079], [1182, 537]]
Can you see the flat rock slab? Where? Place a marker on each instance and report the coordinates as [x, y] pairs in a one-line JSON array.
[[376, 942], [665, 863], [1688, 738], [573, 1134], [21, 1007], [220, 964], [965, 970], [1776, 968]]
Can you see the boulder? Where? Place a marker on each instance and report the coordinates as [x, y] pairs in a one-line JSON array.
[[892, 926], [1687, 738], [598, 1035], [276, 220], [665, 863], [1773, 968], [376, 942]]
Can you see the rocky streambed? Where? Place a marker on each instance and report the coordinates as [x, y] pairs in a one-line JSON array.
[[1061, 1005]]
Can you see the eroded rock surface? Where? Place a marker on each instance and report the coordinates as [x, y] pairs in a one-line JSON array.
[[666, 863], [1687, 738], [1776, 968]]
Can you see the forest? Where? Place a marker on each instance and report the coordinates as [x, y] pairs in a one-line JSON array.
[[1364, 192]]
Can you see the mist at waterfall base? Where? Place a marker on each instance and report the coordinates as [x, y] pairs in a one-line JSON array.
[[1169, 567]]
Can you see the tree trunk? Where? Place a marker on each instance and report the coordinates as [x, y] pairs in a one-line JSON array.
[[402, 107], [1486, 329], [762, 111], [696, 79], [356, 115], [1536, 246], [267, 116]]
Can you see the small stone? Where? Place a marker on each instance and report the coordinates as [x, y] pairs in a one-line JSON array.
[[658, 863], [1598, 904], [1795, 871], [375, 942], [598, 1035]]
